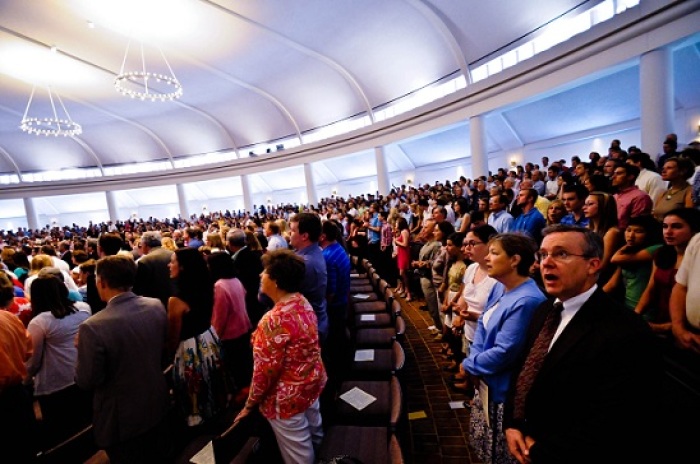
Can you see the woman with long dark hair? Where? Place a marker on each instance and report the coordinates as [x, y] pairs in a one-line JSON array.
[[198, 375], [65, 409], [679, 226]]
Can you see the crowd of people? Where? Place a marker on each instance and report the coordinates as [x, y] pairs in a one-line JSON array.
[[251, 309]]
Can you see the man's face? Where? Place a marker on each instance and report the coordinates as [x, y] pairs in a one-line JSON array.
[[495, 205], [523, 197], [572, 202], [566, 278], [608, 168], [295, 238], [620, 179]]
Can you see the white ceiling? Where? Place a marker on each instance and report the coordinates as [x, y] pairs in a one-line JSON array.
[[256, 71]]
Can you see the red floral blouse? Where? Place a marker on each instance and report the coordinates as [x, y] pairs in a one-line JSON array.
[[288, 374]]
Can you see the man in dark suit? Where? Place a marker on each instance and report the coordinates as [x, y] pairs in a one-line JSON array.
[[249, 267], [592, 399], [152, 274], [119, 359]]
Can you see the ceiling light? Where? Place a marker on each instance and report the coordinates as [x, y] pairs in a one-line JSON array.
[[147, 85], [53, 124]]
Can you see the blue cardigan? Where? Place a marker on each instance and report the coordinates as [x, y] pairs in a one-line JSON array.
[[495, 349]]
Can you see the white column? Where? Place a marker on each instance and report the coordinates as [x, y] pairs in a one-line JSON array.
[[656, 99], [247, 198], [112, 206], [477, 141], [30, 212], [383, 182], [310, 185], [182, 200]]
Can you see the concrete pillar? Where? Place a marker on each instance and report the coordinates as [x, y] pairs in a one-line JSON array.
[[383, 182], [477, 140], [182, 200], [30, 212], [112, 206], [247, 198], [656, 99], [310, 184]]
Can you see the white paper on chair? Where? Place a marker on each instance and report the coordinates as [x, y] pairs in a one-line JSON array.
[[364, 355], [360, 296], [354, 274], [368, 317], [358, 398], [205, 455]]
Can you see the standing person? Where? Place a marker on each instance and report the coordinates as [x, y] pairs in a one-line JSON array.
[[574, 196], [477, 287], [676, 172], [337, 294], [589, 402], [230, 320], [685, 300], [288, 374], [402, 242], [499, 218], [249, 267], [65, 409], [601, 210], [152, 274], [500, 339], [679, 226], [130, 399], [531, 221], [17, 421], [631, 201], [198, 377], [455, 267], [633, 261], [555, 212], [305, 232]]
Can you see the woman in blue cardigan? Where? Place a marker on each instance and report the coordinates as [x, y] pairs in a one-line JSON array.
[[499, 340]]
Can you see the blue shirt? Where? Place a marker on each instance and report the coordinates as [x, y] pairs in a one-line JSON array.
[[570, 220], [501, 221], [374, 235], [314, 285], [530, 223], [498, 344], [338, 270]]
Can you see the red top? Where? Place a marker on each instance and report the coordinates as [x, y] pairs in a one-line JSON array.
[[288, 374]]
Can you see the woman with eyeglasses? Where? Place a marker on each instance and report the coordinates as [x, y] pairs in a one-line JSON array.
[[601, 210], [499, 340], [477, 286], [679, 226]]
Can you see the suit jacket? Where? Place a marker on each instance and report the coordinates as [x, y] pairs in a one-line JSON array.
[[119, 359], [153, 276], [593, 399], [249, 267]]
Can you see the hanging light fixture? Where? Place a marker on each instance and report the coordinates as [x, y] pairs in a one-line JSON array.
[[144, 84], [50, 125]]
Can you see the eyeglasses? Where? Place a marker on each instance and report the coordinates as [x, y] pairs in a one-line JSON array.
[[472, 243], [558, 256]]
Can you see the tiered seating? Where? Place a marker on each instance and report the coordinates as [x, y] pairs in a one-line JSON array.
[[376, 331]]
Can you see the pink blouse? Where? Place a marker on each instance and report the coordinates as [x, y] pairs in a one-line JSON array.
[[288, 374], [229, 317]]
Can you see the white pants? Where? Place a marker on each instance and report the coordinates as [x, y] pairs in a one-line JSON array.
[[300, 435]]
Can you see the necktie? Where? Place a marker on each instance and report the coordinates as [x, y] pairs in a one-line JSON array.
[[535, 358]]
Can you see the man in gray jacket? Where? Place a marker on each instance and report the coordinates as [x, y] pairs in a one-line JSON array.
[[119, 359]]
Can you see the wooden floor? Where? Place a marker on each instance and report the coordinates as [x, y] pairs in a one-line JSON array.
[[442, 435]]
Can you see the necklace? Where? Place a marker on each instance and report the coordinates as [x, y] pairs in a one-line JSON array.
[[670, 193]]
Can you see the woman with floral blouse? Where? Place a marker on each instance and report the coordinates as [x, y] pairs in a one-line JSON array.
[[288, 375]]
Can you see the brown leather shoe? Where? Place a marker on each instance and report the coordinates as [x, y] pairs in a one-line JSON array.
[[459, 377], [462, 387]]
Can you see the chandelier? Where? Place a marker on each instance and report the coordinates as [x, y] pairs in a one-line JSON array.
[[144, 84], [50, 125]]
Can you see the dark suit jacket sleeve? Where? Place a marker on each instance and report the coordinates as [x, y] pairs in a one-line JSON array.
[[91, 367]]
